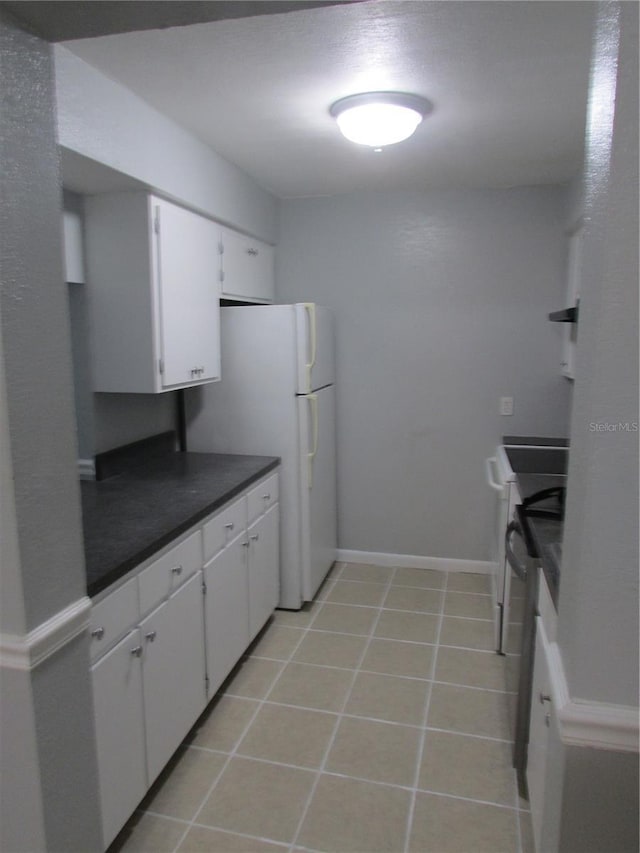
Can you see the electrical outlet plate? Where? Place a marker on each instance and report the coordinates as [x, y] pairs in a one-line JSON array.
[[506, 405]]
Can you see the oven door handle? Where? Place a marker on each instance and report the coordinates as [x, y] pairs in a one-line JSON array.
[[519, 569], [488, 464]]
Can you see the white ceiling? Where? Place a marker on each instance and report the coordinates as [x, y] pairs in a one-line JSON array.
[[508, 81]]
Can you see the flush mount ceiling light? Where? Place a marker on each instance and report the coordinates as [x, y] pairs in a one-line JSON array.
[[379, 118]]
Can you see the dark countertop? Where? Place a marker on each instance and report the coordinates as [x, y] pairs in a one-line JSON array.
[[128, 517], [536, 440]]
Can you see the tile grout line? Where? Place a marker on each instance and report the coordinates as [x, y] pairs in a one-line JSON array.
[[425, 717], [240, 738], [340, 715]]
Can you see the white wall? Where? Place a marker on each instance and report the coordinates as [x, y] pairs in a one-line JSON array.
[[441, 302], [100, 120]]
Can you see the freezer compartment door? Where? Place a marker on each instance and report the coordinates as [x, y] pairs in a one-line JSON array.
[[315, 347], [317, 495]]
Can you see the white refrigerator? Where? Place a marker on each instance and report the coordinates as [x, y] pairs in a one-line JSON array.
[[277, 398]]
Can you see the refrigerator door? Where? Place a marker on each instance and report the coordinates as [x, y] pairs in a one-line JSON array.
[[317, 487], [315, 347]]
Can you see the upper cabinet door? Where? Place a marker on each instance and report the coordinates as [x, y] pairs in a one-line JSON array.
[[246, 268], [188, 295], [154, 291]]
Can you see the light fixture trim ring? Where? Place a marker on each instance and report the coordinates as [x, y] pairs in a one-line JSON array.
[[401, 99]]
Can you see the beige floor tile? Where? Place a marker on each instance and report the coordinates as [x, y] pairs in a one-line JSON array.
[[351, 816], [402, 625], [467, 633], [427, 578], [260, 799], [468, 604], [312, 687], [289, 735], [345, 618], [381, 752], [254, 678], [413, 598], [357, 592], [472, 767], [184, 783], [147, 833], [224, 723], [472, 668], [366, 572], [385, 697], [199, 839], [297, 618], [469, 710], [469, 582], [446, 825], [330, 649], [278, 641], [393, 657]]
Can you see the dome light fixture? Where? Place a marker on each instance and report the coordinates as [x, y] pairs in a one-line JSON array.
[[379, 118]]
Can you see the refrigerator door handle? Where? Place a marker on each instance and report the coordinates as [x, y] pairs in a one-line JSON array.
[[310, 308], [313, 403]]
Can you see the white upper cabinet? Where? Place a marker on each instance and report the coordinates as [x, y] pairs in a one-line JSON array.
[[246, 268], [154, 291]]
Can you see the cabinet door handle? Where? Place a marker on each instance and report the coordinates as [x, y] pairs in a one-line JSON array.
[[150, 637], [267, 497], [544, 697], [176, 570], [245, 544], [98, 633], [252, 252], [136, 651], [255, 537], [230, 525]]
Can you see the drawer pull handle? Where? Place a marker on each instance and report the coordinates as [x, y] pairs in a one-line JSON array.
[[252, 252], [255, 537], [245, 544], [176, 570], [229, 526], [150, 636], [98, 633], [267, 497], [544, 697], [136, 651]]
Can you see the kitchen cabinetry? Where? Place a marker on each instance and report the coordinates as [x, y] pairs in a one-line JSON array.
[[246, 268], [163, 641], [242, 576], [541, 710], [120, 734], [154, 294]]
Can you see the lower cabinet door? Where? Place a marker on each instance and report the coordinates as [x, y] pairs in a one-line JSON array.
[[264, 569], [173, 672], [226, 610], [119, 722], [541, 717]]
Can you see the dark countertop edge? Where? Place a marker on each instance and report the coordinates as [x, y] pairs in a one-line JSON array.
[[111, 577], [535, 441]]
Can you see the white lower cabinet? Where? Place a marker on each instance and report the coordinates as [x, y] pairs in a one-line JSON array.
[[173, 672], [120, 732], [158, 638], [264, 573], [541, 711], [226, 609]]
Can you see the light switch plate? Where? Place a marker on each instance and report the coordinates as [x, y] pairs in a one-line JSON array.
[[506, 405]]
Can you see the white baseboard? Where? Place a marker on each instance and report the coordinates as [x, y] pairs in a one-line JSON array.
[[87, 469], [413, 561]]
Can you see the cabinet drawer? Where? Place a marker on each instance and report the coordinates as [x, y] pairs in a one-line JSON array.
[[224, 527], [169, 572], [112, 616], [261, 497]]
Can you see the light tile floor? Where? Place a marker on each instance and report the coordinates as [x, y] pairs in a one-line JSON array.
[[375, 719]]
